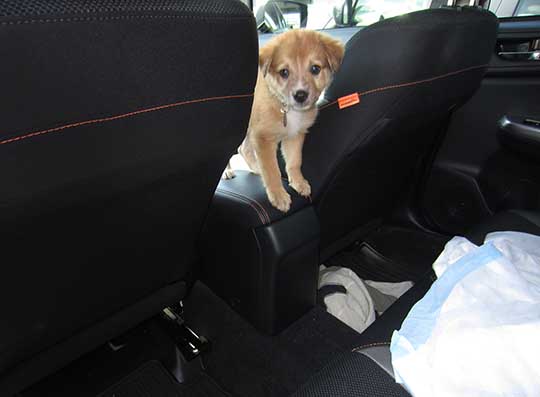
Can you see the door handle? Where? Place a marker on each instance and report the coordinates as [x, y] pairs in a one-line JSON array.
[[521, 134], [520, 55], [519, 51]]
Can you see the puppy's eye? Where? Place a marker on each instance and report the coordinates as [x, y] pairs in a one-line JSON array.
[[284, 73], [315, 69]]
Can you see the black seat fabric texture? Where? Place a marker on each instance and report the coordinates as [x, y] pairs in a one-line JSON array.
[[116, 121], [99, 8], [410, 72], [352, 375]]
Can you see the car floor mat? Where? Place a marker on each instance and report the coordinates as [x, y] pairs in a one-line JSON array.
[[391, 253]]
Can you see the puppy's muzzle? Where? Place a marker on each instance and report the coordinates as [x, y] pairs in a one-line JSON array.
[[300, 96]]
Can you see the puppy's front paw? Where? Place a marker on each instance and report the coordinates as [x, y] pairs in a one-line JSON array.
[[228, 174], [301, 186], [280, 199]]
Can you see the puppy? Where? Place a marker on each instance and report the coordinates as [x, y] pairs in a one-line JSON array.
[[294, 68]]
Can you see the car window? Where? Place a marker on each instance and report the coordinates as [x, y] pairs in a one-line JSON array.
[[528, 8], [279, 15], [515, 8], [275, 15]]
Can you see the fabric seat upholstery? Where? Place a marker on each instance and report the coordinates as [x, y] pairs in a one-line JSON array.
[[411, 71], [116, 121]]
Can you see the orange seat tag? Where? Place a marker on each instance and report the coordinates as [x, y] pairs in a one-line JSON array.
[[348, 100]]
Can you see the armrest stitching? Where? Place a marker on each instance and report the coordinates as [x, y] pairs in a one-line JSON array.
[[244, 200]]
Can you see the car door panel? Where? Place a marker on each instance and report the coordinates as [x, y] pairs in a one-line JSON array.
[[478, 170]]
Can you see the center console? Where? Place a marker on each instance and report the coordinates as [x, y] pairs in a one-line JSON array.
[[263, 262]]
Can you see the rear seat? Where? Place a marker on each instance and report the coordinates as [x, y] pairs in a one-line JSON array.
[[367, 369]]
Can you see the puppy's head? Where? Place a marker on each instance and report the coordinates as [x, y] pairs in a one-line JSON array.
[[298, 65]]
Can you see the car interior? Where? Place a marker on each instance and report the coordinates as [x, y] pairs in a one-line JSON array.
[[132, 269]]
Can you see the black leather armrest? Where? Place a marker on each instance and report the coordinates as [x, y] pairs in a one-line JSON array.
[[263, 262], [248, 188]]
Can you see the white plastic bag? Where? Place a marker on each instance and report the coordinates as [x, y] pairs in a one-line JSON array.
[[357, 306], [477, 330], [385, 294]]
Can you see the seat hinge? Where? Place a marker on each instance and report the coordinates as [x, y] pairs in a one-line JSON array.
[[190, 344]]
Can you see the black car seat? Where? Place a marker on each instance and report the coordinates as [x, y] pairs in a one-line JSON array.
[[117, 118], [409, 72]]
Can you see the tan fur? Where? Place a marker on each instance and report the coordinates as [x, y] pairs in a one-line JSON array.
[[296, 51]]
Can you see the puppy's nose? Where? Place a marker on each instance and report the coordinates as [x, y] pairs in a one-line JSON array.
[[300, 96]]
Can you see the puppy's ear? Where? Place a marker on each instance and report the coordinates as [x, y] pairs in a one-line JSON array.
[[266, 53], [334, 52]]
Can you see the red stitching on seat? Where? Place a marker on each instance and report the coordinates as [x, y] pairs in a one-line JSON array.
[[428, 80], [120, 116]]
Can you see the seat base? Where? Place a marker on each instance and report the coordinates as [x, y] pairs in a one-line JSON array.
[[51, 360]]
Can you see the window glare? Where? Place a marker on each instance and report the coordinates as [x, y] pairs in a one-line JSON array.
[[528, 8], [326, 14]]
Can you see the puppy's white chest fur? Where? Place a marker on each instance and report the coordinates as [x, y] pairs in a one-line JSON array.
[[297, 122]]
